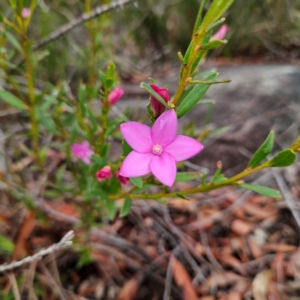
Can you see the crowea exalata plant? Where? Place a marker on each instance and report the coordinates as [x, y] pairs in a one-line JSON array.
[[81, 127]]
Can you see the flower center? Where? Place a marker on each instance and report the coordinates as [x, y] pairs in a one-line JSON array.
[[157, 149]]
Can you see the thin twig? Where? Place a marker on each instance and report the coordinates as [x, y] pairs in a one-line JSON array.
[[287, 195], [65, 241], [97, 11]]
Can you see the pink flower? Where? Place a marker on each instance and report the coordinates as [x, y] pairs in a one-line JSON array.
[[82, 151], [25, 12], [104, 173], [156, 150], [115, 95], [221, 33], [157, 107], [123, 180]]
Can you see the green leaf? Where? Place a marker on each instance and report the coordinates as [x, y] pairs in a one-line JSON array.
[[213, 44], [284, 158], [162, 201], [146, 87], [110, 75], [48, 123], [193, 97], [218, 178], [111, 208], [126, 207], [6, 245], [182, 196], [262, 190], [102, 78], [97, 163], [82, 99], [137, 181], [12, 100], [263, 151], [14, 41], [126, 148], [186, 176]]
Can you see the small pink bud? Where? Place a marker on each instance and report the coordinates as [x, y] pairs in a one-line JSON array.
[[25, 12], [157, 107], [104, 173], [221, 33], [123, 180], [115, 95]]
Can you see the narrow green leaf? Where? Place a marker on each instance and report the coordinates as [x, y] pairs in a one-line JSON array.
[[182, 196], [193, 97], [199, 16], [12, 100], [283, 159], [126, 207], [126, 148], [137, 181], [110, 75], [111, 208], [146, 87], [102, 77], [263, 151], [188, 52], [262, 190], [218, 178], [14, 41], [82, 99], [6, 245], [186, 176]]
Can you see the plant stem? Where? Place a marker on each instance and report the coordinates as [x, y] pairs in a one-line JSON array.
[[200, 189]]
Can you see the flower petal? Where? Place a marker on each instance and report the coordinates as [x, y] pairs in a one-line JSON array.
[[136, 164], [163, 168], [183, 147], [138, 136], [164, 129]]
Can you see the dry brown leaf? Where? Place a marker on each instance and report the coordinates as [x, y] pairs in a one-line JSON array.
[[183, 280], [233, 296], [261, 283], [129, 289], [280, 247], [23, 234], [241, 228]]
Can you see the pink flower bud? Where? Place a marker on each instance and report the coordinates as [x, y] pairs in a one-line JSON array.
[[221, 33], [157, 107], [104, 173], [123, 180], [25, 12], [115, 95]]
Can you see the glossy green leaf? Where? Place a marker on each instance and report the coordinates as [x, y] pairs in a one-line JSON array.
[[12, 100], [262, 190], [186, 176], [126, 207], [263, 151], [193, 97], [137, 181], [284, 158]]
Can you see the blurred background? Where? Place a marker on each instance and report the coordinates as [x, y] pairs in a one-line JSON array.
[[142, 35]]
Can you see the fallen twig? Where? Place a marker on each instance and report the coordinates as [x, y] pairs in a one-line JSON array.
[[65, 241]]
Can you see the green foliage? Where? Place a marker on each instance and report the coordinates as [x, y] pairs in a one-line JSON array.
[[12, 100], [6, 245], [194, 97], [283, 159], [262, 190], [263, 151], [187, 176], [126, 207], [137, 181]]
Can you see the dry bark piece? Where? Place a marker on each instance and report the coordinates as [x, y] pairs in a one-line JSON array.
[[261, 283], [241, 228]]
